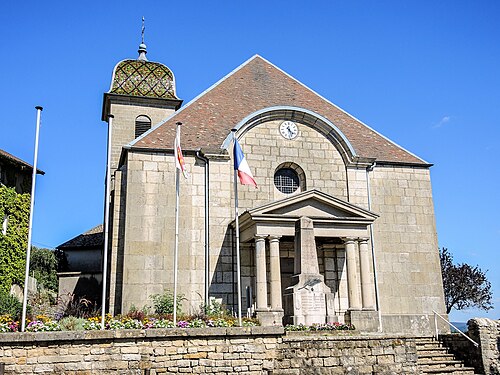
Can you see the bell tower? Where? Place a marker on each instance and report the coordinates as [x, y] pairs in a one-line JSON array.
[[142, 93]]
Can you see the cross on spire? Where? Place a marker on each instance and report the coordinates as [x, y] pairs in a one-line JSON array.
[[142, 47], [142, 31]]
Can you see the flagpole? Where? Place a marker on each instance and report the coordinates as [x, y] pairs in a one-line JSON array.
[[28, 249], [176, 246], [106, 225], [237, 228]]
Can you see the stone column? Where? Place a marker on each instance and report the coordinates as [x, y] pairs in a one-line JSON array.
[[275, 272], [366, 285], [260, 272], [352, 274]]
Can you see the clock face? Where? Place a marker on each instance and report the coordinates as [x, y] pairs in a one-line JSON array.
[[289, 130]]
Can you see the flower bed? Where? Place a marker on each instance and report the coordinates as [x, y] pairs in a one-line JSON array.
[[44, 324], [336, 326]]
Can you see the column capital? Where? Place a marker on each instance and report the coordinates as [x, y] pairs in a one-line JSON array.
[[273, 238], [260, 237], [349, 240], [363, 239]]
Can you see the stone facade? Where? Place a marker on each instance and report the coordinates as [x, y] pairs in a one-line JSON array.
[[369, 202], [257, 350], [405, 238]]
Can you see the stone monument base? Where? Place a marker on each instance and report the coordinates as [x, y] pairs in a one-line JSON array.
[[364, 320], [270, 318], [309, 305]]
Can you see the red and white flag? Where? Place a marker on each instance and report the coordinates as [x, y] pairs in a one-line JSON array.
[[179, 159]]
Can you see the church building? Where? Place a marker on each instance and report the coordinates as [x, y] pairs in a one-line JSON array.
[[340, 227]]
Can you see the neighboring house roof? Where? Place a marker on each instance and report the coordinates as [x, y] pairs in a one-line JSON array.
[[258, 84], [15, 160], [93, 238]]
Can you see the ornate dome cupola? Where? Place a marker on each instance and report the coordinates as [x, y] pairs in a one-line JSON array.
[[142, 93], [143, 78]]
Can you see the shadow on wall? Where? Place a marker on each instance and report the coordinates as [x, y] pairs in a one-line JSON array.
[[223, 284], [223, 279], [80, 295], [116, 290]]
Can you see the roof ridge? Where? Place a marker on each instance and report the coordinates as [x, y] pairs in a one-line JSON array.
[[250, 87]]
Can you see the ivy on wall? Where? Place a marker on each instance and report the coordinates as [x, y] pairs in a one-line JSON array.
[[13, 244]]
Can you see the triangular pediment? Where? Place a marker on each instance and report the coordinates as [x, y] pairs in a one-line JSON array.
[[313, 204]]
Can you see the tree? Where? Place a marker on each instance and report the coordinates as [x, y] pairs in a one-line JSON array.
[[43, 265], [464, 286]]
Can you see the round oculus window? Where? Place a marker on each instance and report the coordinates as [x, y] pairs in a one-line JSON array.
[[286, 180]]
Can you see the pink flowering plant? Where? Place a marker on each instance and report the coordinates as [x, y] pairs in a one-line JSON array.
[[335, 326]]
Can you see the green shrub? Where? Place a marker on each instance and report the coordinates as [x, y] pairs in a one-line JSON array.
[[9, 305], [164, 303], [71, 323], [13, 244], [214, 309]]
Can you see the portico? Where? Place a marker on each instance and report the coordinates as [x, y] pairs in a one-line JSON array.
[[308, 218]]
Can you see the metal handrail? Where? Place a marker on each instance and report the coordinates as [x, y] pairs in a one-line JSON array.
[[436, 314]]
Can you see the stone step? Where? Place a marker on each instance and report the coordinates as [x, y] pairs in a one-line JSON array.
[[425, 338], [429, 344], [434, 364], [435, 359], [432, 351], [450, 371]]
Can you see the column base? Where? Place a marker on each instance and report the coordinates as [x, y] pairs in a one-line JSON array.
[[364, 321], [270, 318]]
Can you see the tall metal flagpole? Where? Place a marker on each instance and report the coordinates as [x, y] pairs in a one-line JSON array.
[[237, 228], [106, 225], [176, 246], [28, 249]]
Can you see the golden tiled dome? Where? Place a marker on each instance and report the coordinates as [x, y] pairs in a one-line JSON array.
[[143, 78]]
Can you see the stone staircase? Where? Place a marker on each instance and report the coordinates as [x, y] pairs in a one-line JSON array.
[[435, 359]]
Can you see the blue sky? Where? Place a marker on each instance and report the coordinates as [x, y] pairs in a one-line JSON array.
[[423, 73]]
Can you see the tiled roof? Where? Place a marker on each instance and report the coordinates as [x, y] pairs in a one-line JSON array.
[[143, 78], [258, 84], [15, 160], [93, 238]]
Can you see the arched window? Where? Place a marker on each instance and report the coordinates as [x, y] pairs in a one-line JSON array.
[[142, 125], [289, 177]]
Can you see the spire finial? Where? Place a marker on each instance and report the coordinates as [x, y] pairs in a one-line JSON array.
[[142, 31], [142, 47]]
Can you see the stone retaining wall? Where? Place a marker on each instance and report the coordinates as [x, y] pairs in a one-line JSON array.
[[486, 332], [256, 350], [346, 355], [485, 358]]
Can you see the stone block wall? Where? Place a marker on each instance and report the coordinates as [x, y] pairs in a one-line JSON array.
[[265, 150], [487, 333], [149, 231], [346, 355], [256, 350], [123, 131], [406, 248]]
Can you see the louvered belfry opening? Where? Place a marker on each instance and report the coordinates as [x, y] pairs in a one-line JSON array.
[[142, 125]]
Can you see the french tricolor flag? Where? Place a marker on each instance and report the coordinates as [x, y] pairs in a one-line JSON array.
[[241, 165]]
